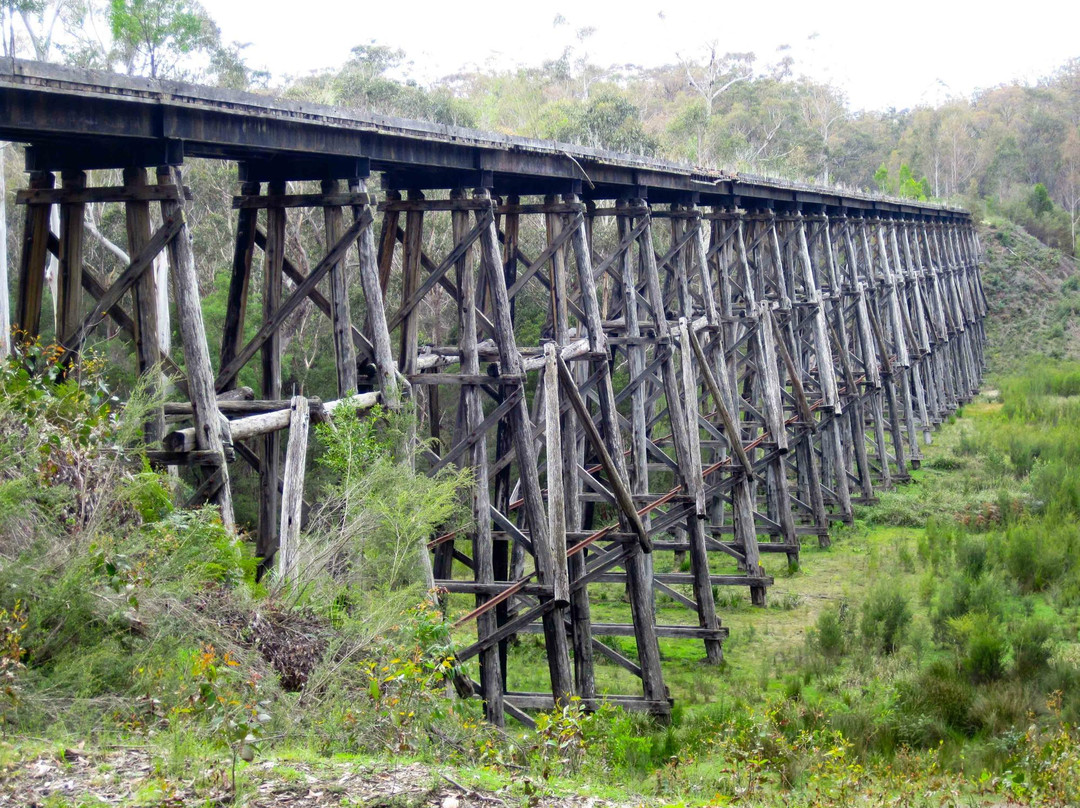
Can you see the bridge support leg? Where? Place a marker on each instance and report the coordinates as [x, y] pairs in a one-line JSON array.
[[35, 255], [200, 377]]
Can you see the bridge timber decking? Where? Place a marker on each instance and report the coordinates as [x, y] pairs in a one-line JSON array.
[[726, 365]]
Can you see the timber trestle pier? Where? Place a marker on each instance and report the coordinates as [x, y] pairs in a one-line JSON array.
[[656, 373]]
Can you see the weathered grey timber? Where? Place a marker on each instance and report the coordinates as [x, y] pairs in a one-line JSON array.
[[293, 490], [708, 389]]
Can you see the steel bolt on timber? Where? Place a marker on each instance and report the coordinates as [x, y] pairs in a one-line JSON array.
[[725, 364]]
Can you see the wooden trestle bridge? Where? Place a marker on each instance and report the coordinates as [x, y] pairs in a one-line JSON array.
[[727, 365]]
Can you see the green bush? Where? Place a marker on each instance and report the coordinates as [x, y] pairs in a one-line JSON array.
[[960, 595], [1038, 552], [935, 545], [370, 530], [827, 637], [983, 647], [1032, 647], [886, 616], [1000, 706], [971, 556], [938, 693]]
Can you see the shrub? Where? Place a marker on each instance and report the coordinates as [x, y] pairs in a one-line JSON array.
[[971, 556], [983, 647], [1000, 705], [827, 636], [960, 595], [885, 618], [1038, 552], [370, 531], [1032, 649], [936, 692], [11, 665], [935, 545], [229, 703]]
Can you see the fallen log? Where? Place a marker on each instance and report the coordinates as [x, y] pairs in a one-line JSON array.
[[183, 440]]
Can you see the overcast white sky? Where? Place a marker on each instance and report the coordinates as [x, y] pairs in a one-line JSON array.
[[881, 54]]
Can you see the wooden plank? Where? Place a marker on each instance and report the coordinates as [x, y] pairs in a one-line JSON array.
[[674, 594], [242, 407], [292, 498], [542, 701], [491, 679], [509, 551], [83, 196], [385, 370], [556, 494], [512, 208], [270, 515], [666, 631], [410, 282], [419, 204], [184, 440], [70, 263], [689, 391], [194, 458], [482, 379], [687, 579], [473, 588], [144, 296], [389, 234], [329, 198]]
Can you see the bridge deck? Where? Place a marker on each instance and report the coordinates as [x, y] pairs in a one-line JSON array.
[[131, 119]]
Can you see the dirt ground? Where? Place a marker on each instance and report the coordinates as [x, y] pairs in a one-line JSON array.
[[134, 777]]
